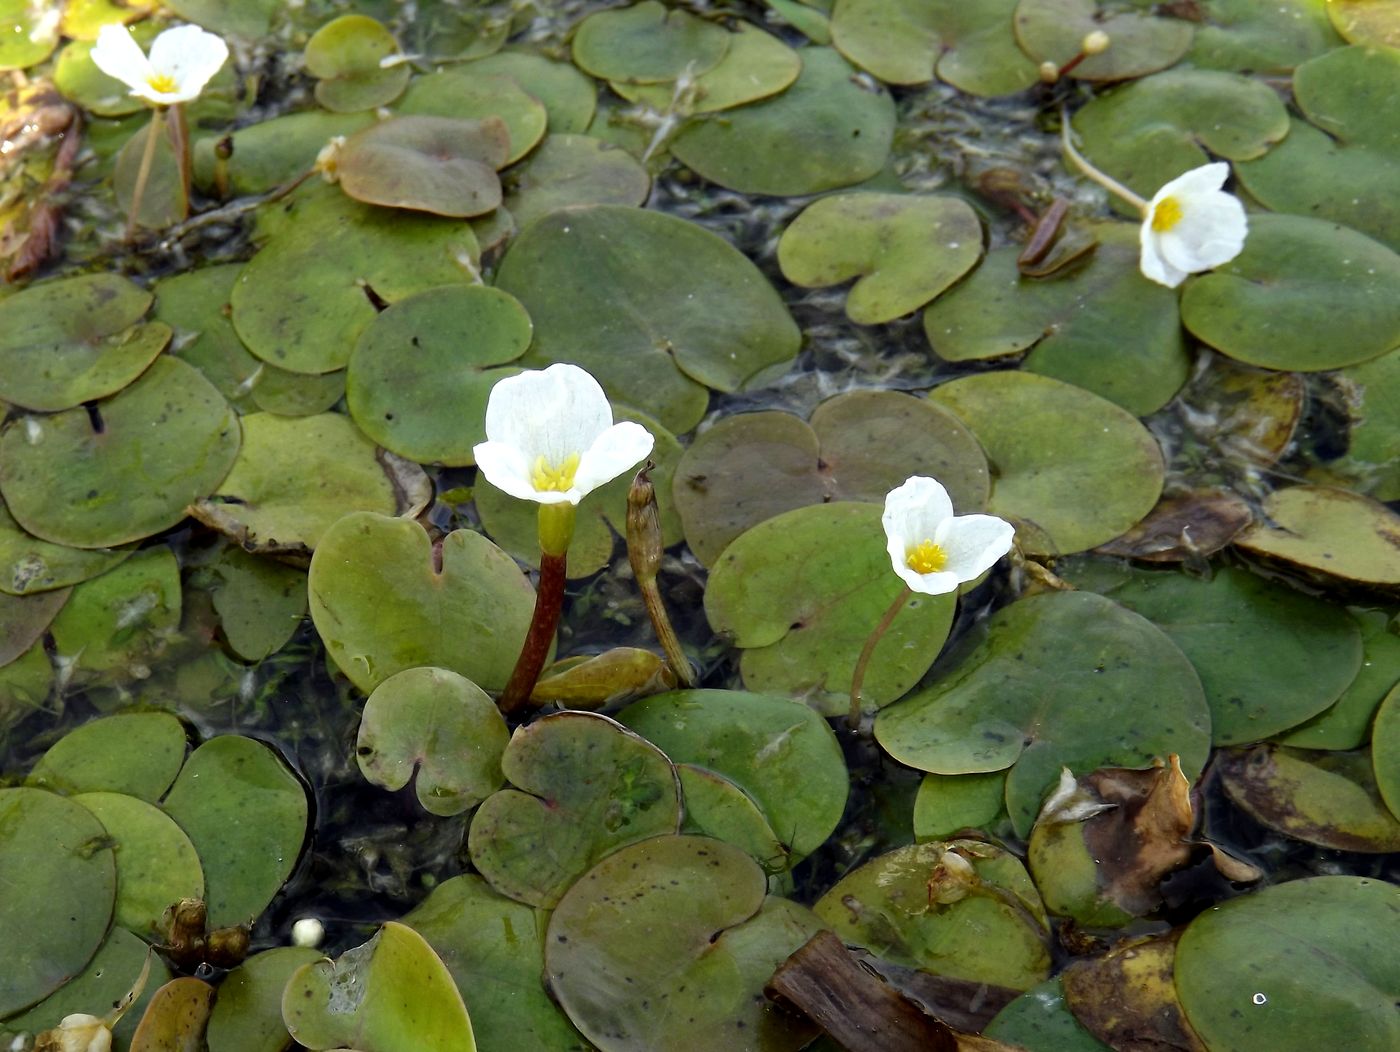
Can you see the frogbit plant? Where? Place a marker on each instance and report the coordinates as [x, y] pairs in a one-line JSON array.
[[932, 551], [182, 61], [1189, 226], [550, 438]]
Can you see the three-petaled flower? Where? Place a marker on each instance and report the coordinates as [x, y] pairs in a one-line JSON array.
[[932, 549], [550, 437], [181, 62], [1191, 225]]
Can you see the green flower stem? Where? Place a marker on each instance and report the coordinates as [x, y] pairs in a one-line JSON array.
[[863, 662], [556, 525], [180, 138], [143, 173]]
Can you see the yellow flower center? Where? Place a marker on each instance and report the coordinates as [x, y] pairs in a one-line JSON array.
[[926, 557], [1166, 215], [162, 82], [550, 479]]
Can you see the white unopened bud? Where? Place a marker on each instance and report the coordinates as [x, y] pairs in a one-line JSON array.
[[1096, 43], [328, 160], [1049, 72], [77, 1033], [308, 932]]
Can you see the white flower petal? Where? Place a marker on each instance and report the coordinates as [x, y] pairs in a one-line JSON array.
[[973, 544], [914, 509], [940, 583], [1211, 232], [1153, 266], [1206, 179], [189, 56], [117, 54], [620, 447], [551, 413], [506, 468]]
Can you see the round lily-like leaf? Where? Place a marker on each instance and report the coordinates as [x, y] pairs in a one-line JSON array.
[[25, 684], [960, 908], [948, 803], [1152, 130], [1347, 723], [1385, 751], [246, 19], [176, 1017], [27, 34], [1039, 1021], [1269, 656], [756, 66], [29, 565], [779, 752], [751, 467], [1101, 326], [582, 786], [569, 97], [570, 170], [421, 371], [716, 807], [107, 980], [245, 813], [344, 55], [1262, 36], [125, 469], [1264, 306], [1072, 469], [60, 882], [426, 164], [385, 598], [593, 682], [296, 394], [1375, 23], [647, 43], [400, 998], [84, 19], [801, 593], [195, 306], [1372, 392], [96, 757], [1052, 671], [156, 863], [904, 249], [811, 22], [247, 1016], [260, 603], [826, 131], [293, 478], [440, 727], [602, 514], [970, 46], [668, 944], [115, 625], [1332, 533], [1330, 799], [656, 308], [486, 98], [273, 152], [78, 78], [303, 299], [23, 620], [1141, 42], [494, 948], [1293, 966], [75, 340]]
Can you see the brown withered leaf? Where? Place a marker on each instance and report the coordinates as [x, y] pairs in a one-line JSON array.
[[1127, 997], [1186, 526], [175, 1018]]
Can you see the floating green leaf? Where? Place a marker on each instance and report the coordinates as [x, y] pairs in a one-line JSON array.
[[385, 598], [1347, 723], [29, 565], [439, 729], [1141, 42], [668, 944], [751, 467], [163, 442], [1261, 36], [1385, 751], [1072, 469], [247, 1016], [260, 603], [23, 620], [345, 57], [487, 98], [1372, 392], [1293, 966], [656, 308], [827, 131], [246, 814], [1332, 533], [96, 757], [949, 803], [779, 752], [1375, 23], [756, 66], [800, 595], [568, 170], [1050, 673], [1039, 1021], [647, 43], [426, 164], [26, 34], [716, 807], [276, 151], [421, 371], [960, 908], [581, 786], [240, 18], [569, 96]]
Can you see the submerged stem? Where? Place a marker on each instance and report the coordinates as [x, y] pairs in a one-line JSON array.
[[549, 603], [143, 173], [863, 662], [1081, 162], [644, 548]]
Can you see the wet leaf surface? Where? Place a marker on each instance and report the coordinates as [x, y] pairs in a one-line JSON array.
[[93, 758]]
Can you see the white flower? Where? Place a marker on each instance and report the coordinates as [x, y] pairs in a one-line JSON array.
[[932, 549], [80, 1033], [1191, 225], [550, 437], [181, 63]]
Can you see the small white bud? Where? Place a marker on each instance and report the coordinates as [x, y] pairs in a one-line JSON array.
[[308, 932]]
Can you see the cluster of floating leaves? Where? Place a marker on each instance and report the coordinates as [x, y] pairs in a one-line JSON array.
[[1187, 680]]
